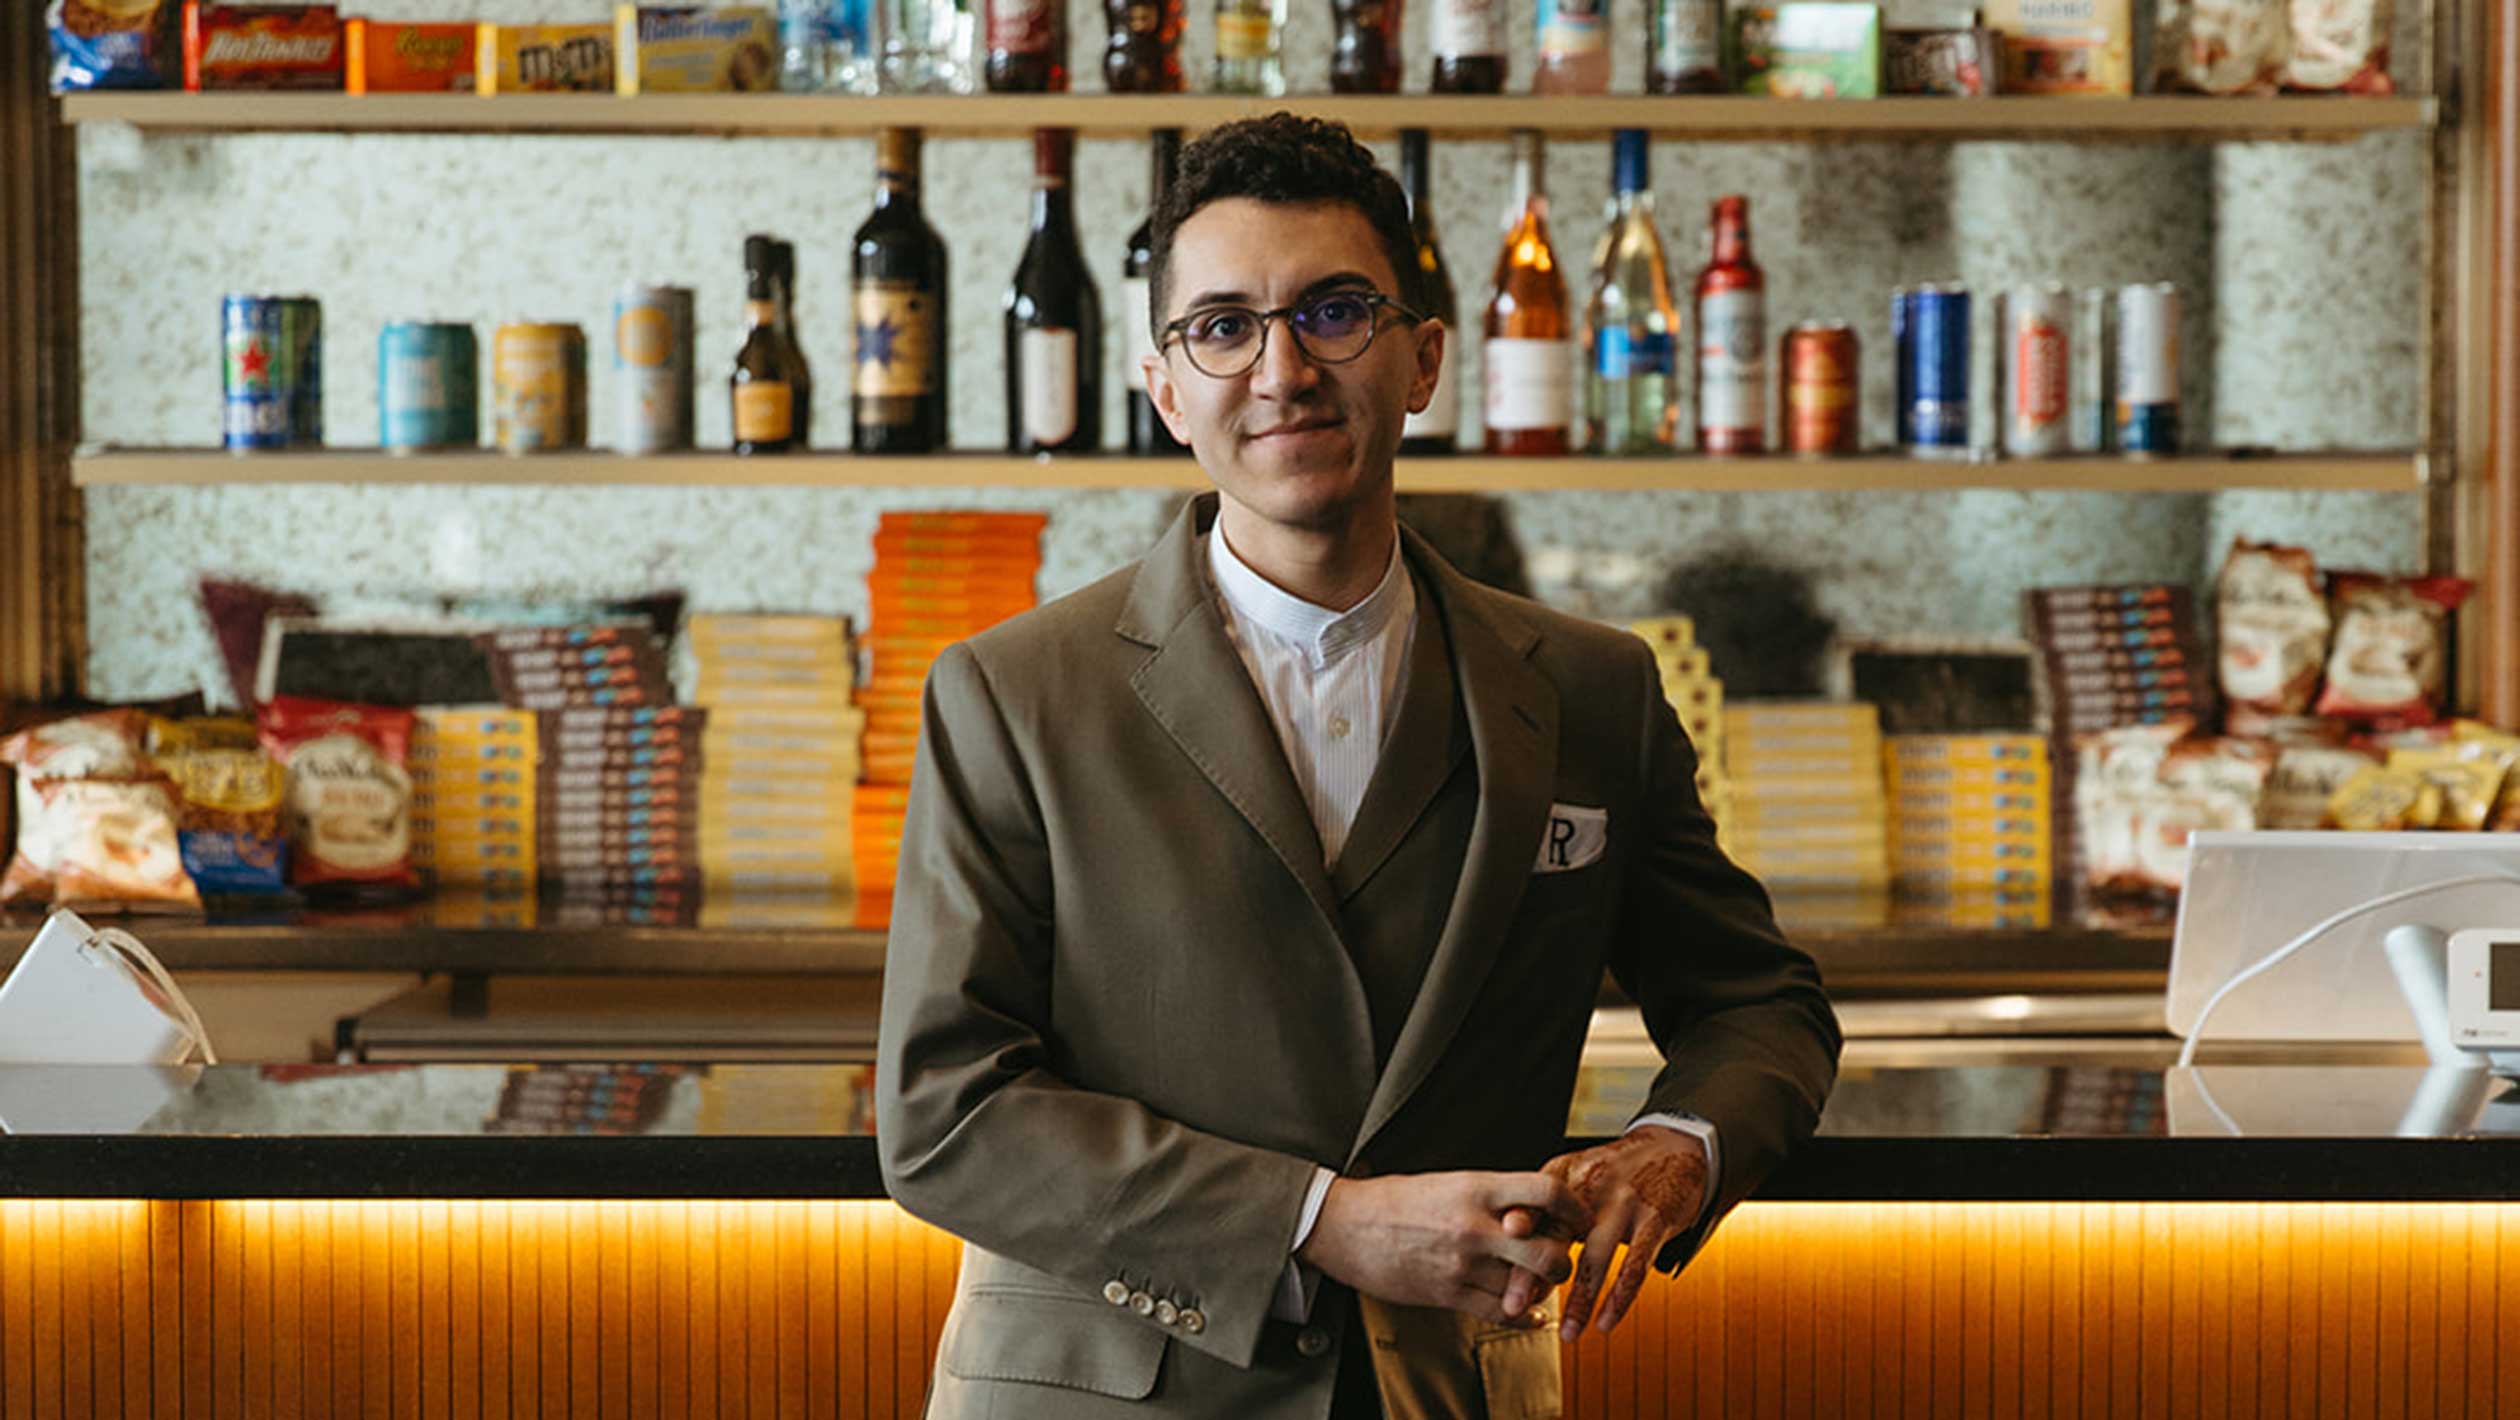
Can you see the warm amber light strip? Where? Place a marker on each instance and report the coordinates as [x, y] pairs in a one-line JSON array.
[[830, 1310]]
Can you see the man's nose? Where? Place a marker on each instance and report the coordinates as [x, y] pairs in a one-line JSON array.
[[1284, 370]]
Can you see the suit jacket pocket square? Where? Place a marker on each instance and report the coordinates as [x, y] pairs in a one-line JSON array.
[[1574, 839]]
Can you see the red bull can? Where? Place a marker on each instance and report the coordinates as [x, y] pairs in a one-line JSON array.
[[2037, 325], [2148, 369], [1929, 328]]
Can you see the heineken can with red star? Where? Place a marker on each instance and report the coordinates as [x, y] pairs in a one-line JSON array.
[[273, 348]]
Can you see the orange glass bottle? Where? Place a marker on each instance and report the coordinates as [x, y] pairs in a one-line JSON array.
[[1732, 382], [1529, 350]]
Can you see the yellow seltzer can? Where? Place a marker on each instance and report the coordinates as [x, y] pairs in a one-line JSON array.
[[538, 375]]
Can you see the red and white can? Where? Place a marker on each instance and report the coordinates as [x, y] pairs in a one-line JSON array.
[[2038, 323]]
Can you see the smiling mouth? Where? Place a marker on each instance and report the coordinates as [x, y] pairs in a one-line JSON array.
[[1307, 426]]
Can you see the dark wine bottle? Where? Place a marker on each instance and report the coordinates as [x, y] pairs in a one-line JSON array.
[[1468, 37], [800, 371], [761, 392], [1142, 51], [1027, 47], [897, 302], [1365, 54], [1435, 429], [1053, 319], [1147, 434]]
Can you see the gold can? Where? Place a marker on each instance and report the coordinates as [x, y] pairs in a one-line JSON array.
[[538, 375]]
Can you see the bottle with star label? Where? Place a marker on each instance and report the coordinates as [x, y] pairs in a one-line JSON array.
[[897, 301]]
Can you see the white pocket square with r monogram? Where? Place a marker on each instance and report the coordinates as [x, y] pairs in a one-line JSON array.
[[1574, 838]]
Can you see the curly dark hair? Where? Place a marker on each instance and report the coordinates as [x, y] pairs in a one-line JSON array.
[[1282, 158]]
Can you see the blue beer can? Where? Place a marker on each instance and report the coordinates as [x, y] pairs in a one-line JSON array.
[[302, 326], [258, 373], [1930, 330], [428, 386]]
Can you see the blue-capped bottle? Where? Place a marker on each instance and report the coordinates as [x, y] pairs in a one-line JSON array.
[[1631, 323]]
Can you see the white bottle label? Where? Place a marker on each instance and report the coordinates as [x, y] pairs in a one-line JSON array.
[[1141, 343], [1469, 27], [1441, 419], [1530, 384], [1571, 28], [1049, 367], [1732, 361]]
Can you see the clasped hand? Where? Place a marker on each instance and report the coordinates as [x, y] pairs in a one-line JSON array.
[[1492, 1244]]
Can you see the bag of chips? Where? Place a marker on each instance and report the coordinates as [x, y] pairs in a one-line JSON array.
[[349, 789], [2271, 626], [2390, 645], [229, 798], [95, 824], [2221, 46], [2340, 46]]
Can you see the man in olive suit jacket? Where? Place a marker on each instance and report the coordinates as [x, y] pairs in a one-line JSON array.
[[1254, 901]]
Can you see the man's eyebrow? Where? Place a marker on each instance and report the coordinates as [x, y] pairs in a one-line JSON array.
[[1335, 281]]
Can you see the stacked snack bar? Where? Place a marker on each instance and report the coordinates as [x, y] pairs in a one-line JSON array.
[[780, 765], [474, 796], [1688, 682], [1806, 785], [620, 818], [1970, 826], [939, 577], [2112, 657]]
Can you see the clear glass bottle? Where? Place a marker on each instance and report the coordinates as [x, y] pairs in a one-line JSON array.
[[1250, 44], [927, 47], [1631, 323], [827, 46], [1574, 47]]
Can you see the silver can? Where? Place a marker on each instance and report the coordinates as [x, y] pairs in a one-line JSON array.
[[2092, 412], [652, 370], [2036, 345], [2148, 369]]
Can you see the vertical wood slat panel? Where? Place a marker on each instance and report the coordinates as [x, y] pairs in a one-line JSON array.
[[203, 1309]]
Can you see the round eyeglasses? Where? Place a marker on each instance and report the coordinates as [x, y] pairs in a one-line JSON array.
[[1225, 341]]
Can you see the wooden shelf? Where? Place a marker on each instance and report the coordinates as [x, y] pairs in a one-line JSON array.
[[2341, 472], [1717, 116]]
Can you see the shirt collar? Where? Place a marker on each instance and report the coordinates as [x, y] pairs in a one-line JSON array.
[[1321, 634]]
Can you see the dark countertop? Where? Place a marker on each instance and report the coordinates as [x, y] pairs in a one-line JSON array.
[[2219, 1133]]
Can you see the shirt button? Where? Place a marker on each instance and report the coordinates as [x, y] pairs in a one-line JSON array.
[[1312, 1341], [1166, 1313], [1339, 727], [1192, 1321], [1142, 1303], [1116, 1292]]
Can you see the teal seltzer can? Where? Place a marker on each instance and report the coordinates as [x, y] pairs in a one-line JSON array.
[[428, 386]]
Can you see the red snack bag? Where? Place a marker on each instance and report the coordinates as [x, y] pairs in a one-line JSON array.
[[2390, 631], [261, 46], [349, 806], [2272, 624]]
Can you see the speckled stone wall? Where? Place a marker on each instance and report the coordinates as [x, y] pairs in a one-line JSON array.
[[2304, 330]]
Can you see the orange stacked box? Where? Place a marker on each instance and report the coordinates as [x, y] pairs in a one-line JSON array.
[[938, 578]]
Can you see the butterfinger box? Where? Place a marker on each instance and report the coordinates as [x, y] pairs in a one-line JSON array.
[[692, 49]]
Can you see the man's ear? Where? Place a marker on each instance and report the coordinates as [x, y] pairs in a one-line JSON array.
[[1166, 396], [1431, 335]]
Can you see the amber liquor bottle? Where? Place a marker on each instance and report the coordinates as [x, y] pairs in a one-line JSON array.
[[1530, 347], [762, 395]]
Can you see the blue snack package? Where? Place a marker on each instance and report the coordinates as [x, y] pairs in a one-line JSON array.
[[113, 44]]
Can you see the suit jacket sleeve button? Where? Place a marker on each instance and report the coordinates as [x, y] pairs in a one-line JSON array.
[[1166, 1313], [1192, 1321], [1142, 1303], [1312, 1341], [1116, 1292]]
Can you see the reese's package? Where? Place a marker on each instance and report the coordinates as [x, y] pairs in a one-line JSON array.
[[389, 58], [349, 789]]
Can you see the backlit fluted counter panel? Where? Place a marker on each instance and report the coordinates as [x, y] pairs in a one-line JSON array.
[[2003, 1241]]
